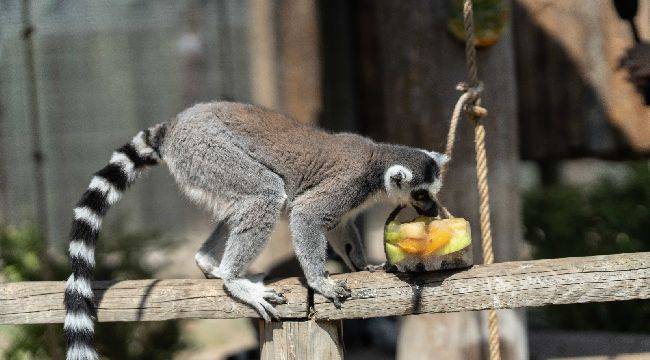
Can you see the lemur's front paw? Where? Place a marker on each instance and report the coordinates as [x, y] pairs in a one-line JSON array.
[[333, 290], [253, 292], [274, 297]]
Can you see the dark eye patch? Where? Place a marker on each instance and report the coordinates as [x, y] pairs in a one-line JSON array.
[[420, 195], [431, 171]]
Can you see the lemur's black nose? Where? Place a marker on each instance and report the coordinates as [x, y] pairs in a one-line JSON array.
[[429, 209]]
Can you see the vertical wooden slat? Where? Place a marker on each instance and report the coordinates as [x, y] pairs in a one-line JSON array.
[[263, 54], [31, 86], [298, 43], [301, 340]]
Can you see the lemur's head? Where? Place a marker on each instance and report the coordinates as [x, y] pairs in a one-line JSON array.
[[414, 178]]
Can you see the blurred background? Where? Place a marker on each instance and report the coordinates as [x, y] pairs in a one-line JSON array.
[[568, 138]]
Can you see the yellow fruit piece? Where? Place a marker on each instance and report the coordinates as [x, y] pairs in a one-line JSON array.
[[461, 236], [413, 230], [417, 239]]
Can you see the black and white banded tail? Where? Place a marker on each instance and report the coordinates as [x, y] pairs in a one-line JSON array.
[[105, 189]]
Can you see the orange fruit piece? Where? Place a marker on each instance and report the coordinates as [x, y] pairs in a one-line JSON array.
[[412, 245], [440, 233]]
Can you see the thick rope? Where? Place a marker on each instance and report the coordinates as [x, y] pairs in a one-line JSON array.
[[467, 103], [462, 102], [451, 135], [486, 230], [470, 103], [470, 41], [481, 170]]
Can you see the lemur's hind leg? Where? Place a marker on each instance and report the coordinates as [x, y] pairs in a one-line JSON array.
[[210, 253], [250, 229], [221, 175], [348, 244]]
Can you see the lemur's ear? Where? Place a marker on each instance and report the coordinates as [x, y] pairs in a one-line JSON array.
[[396, 176], [440, 159]]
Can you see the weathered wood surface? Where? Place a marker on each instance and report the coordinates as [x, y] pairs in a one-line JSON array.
[[141, 300], [501, 285], [298, 340], [571, 92]]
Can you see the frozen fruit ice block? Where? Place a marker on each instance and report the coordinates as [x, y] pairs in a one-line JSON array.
[[425, 244]]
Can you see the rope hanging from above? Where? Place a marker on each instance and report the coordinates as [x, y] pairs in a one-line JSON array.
[[470, 104]]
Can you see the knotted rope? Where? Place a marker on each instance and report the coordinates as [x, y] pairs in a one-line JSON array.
[[470, 103]]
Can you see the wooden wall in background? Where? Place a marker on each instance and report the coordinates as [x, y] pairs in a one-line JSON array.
[[409, 66], [104, 72], [3, 178], [284, 49], [573, 99], [284, 42], [299, 59], [103, 80]]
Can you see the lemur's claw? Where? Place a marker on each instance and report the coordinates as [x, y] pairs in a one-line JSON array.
[[344, 290], [266, 310], [342, 293], [255, 294], [275, 297], [333, 290], [337, 303]]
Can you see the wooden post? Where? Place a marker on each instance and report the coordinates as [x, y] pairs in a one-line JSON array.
[[409, 66], [301, 339]]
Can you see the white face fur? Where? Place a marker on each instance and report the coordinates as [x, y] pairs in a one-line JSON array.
[[398, 178], [396, 181]]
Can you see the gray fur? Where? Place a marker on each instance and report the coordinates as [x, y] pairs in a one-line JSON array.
[[247, 165]]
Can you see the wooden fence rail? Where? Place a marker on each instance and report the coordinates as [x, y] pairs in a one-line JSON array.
[[501, 285]]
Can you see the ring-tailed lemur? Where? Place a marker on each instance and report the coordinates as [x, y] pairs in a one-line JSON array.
[[247, 166]]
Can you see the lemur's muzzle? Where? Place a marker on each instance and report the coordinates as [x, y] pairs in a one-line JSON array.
[[428, 209]]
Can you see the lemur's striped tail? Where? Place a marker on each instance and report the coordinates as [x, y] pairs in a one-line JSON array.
[[104, 190]]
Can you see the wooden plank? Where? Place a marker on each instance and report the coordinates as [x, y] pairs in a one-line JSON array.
[[497, 286], [141, 300], [298, 340], [501, 285]]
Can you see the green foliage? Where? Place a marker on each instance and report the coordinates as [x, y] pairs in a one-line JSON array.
[[120, 257], [606, 218], [20, 254]]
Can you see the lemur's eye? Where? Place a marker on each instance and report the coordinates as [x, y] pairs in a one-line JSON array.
[[420, 195]]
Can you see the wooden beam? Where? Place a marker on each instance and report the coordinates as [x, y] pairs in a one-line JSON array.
[[142, 300], [501, 285], [298, 340], [496, 286]]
